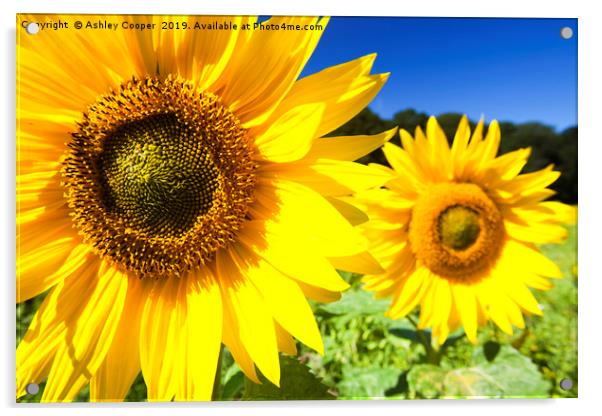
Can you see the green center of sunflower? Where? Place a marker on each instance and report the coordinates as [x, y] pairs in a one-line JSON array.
[[159, 177], [156, 176], [459, 227], [456, 231]]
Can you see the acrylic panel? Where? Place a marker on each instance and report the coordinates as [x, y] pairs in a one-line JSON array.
[[295, 208]]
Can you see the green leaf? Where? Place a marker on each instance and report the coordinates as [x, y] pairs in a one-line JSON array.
[[356, 303], [297, 382], [233, 386], [411, 334], [496, 371], [369, 382], [491, 350], [426, 380], [509, 374], [472, 382]]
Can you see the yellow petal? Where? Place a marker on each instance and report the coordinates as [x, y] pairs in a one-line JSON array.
[[88, 336], [347, 148], [199, 319], [531, 182], [204, 58], [290, 207], [290, 137], [477, 136], [39, 190], [362, 263], [39, 150], [465, 303], [38, 180], [411, 293], [267, 67], [330, 177], [521, 199], [284, 299], [51, 88], [499, 316], [413, 170], [158, 339], [442, 303], [231, 338], [254, 319], [305, 265], [491, 142], [514, 314], [42, 268], [37, 348], [561, 212], [553, 212], [426, 306], [441, 151], [397, 258], [533, 232], [286, 343], [531, 259], [352, 214], [345, 89], [121, 365], [537, 282], [503, 168], [459, 144], [319, 294], [146, 43], [523, 297]]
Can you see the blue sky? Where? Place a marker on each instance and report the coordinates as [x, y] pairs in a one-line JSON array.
[[509, 69]]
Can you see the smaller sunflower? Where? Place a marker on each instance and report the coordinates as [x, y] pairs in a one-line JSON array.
[[456, 228]]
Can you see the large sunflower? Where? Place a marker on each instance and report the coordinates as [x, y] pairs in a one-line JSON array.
[[456, 230], [174, 194]]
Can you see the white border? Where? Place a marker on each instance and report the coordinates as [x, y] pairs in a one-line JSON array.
[[590, 68]]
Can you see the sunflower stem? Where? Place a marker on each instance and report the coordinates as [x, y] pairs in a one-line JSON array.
[[217, 382], [432, 355]]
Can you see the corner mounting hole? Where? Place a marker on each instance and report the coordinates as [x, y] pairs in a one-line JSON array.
[[566, 32], [32, 388], [566, 384], [32, 28]]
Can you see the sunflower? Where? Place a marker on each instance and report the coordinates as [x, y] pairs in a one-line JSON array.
[[456, 230], [174, 193]]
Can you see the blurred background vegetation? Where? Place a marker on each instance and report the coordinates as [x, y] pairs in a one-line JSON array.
[[368, 355]]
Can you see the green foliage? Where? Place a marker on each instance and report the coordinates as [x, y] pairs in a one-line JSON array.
[[426, 380], [232, 378], [25, 312], [552, 341], [358, 344], [297, 382], [137, 392], [368, 383], [354, 304], [506, 374]]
